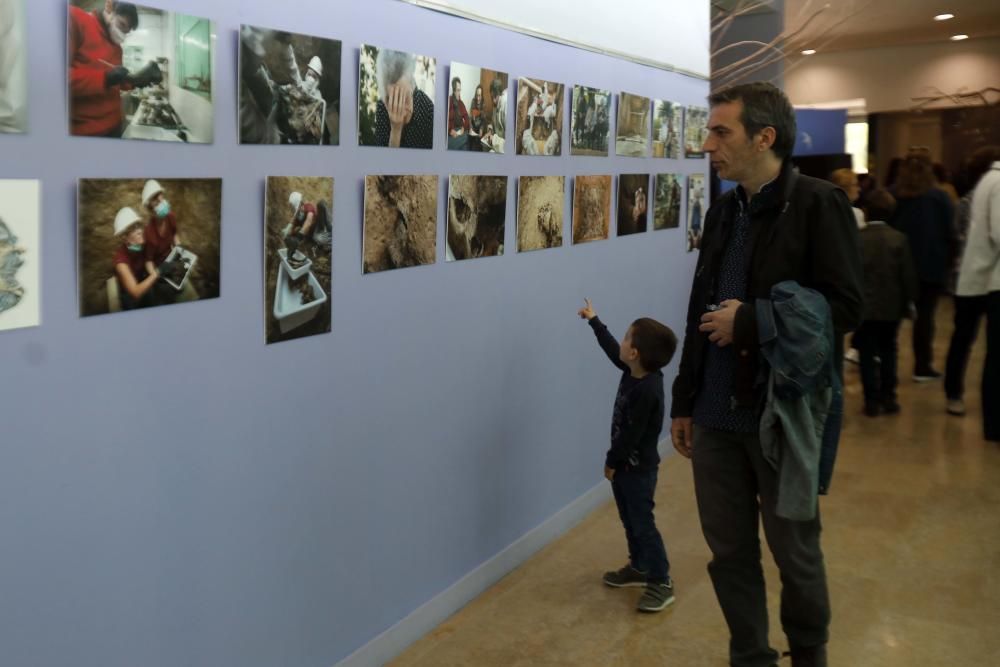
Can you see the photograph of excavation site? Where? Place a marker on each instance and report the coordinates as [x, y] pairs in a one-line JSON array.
[[695, 131], [633, 202], [591, 208], [590, 121], [298, 236], [540, 204], [667, 207], [667, 124], [632, 134], [147, 242], [539, 117], [400, 228], [477, 212]]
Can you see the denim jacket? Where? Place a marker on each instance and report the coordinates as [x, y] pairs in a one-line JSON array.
[[801, 410]]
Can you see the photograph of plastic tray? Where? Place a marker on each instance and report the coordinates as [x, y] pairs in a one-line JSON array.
[[292, 272], [190, 258], [288, 307]]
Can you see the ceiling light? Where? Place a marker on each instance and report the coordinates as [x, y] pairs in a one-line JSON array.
[[809, 52], [959, 38], [944, 17]]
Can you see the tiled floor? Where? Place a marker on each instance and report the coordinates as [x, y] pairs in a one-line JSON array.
[[912, 543]]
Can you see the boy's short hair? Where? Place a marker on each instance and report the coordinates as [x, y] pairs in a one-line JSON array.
[[879, 205], [655, 342]]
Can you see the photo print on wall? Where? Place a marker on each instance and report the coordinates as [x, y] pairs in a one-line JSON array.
[[477, 213], [667, 128], [20, 254], [289, 88], [539, 117], [400, 228], [667, 206], [591, 208], [697, 206], [540, 204], [147, 242], [632, 132], [298, 238], [590, 121], [633, 203], [477, 114], [13, 68], [395, 98], [140, 73], [695, 131]]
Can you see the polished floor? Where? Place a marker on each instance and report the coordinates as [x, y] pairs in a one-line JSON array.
[[912, 543]]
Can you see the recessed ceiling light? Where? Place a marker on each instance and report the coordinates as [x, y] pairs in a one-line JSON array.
[[959, 38], [944, 17], [809, 52]]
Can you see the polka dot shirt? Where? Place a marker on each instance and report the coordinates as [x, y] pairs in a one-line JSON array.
[[418, 133]]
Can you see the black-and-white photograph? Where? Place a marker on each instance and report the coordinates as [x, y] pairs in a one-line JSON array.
[[590, 121]]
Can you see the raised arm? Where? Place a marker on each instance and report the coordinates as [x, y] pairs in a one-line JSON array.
[[604, 337]]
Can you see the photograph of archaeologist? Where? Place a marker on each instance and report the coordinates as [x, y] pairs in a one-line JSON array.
[[590, 122], [667, 121], [13, 68], [128, 260], [539, 117], [139, 73], [289, 88], [395, 99], [477, 108]]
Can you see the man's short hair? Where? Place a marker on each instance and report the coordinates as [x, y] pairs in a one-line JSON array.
[[496, 87], [879, 205], [128, 10], [655, 342], [455, 81], [764, 105]]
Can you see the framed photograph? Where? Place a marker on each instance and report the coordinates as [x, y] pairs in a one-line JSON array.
[[632, 134], [477, 213], [477, 109], [667, 128], [590, 121], [539, 117], [140, 73], [20, 254], [147, 242], [697, 207], [400, 228], [13, 68], [591, 208], [695, 131], [633, 203], [540, 204], [298, 240], [395, 98], [289, 88], [667, 203]]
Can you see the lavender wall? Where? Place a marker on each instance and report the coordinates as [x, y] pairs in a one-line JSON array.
[[173, 492]]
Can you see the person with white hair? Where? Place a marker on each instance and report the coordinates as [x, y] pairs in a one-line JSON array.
[[405, 115]]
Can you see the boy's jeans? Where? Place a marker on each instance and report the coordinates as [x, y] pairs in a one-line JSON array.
[[634, 496]]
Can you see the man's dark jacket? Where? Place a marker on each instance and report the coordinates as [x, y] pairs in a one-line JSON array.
[[801, 229]]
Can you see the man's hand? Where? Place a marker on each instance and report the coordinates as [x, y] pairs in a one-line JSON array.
[[682, 435], [609, 474], [719, 324], [587, 312]]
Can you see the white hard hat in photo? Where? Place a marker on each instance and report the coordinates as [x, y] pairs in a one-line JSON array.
[[295, 200], [316, 65], [150, 190], [125, 218]]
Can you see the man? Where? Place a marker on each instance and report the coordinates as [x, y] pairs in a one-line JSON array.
[[13, 70], [777, 225], [458, 118], [498, 92], [96, 75]]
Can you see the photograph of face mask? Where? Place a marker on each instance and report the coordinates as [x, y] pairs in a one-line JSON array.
[[289, 88], [140, 73], [148, 242]]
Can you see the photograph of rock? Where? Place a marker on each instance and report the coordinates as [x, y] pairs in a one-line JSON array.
[[632, 133], [667, 129], [289, 88], [477, 109], [591, 208], [477, 212], [140, 73], [667, 205], [400, 228], [147, 242], [539, 117], [298, 240], [20, 254], [633, 203], [695, 131], [540, 204], [697, 206], [13, 68], [590, 121], [395, 98]]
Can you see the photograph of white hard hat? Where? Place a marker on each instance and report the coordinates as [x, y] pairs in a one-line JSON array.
[[316, 65], [126, 218], [150, 190], [295, 200]]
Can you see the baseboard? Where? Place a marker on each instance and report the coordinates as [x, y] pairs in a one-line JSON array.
[[428, 616]]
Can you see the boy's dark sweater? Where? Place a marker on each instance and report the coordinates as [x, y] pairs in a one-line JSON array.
[[638, 415]]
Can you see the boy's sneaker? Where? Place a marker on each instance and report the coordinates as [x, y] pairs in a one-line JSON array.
[[625, 577], [956, 407], [657, 597], [890, 407], [926, 376]]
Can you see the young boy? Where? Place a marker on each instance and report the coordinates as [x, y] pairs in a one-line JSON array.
[[631, 463], [890, 286]]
